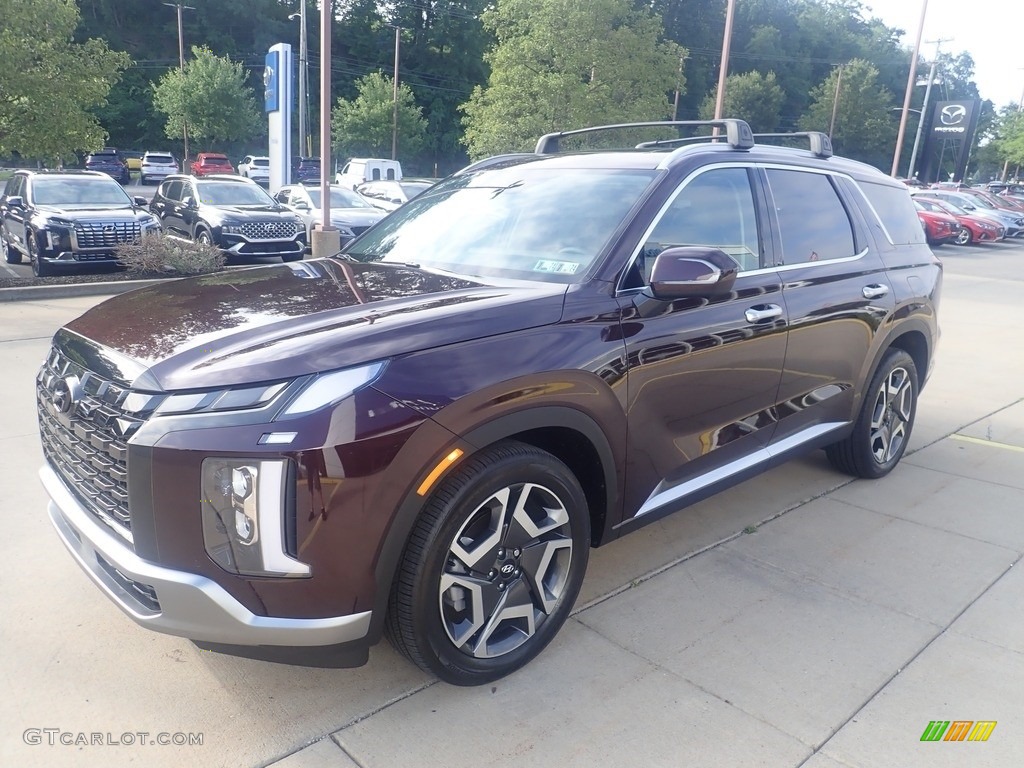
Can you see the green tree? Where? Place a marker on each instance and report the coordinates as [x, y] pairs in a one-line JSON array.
[[49, 83], [364, 125], [562, 64], [211, 96], [751, 96], [864, 127]]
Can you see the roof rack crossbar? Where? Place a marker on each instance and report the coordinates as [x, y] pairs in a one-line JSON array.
[[820, 143], [737, 132]]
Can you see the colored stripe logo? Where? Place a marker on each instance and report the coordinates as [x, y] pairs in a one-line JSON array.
[[958, 730]]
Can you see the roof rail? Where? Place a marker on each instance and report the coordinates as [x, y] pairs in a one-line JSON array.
[[497, 160], [737, 132], [821, 144]]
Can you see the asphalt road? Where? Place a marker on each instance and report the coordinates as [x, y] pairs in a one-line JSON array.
[[856, 614]]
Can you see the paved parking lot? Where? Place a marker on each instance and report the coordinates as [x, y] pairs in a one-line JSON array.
[[800, 619]]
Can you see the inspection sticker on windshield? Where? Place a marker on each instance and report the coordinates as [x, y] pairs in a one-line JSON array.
[[561, 267]]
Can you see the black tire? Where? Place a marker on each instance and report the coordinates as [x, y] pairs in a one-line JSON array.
[[204, 237], [492, 566], [39, 267], [963, 237], [882, 429], [12, 254]]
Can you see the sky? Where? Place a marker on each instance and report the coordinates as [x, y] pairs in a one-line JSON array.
[[989, 30]]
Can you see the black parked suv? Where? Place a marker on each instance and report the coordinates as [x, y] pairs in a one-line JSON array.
[[68, 219], [233, 213], [109, 161], [425, 435]]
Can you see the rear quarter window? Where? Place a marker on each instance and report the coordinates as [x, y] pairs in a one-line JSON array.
[[895, 209]]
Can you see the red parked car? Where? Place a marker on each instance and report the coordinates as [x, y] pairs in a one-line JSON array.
[[973, 229], [939, 227], [211, 162]]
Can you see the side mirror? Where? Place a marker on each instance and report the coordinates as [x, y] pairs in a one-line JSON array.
[[188, 201], [690, 272], [16, 201], [301, 205], [140, 200]]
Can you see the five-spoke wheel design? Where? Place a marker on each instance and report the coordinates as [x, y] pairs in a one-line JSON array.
[[891, 415], [506, 570], [882, 429], [492, 565]]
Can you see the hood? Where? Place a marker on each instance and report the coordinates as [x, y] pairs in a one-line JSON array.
[[80, 213], [248, 210], [356, 217], [278, 322]]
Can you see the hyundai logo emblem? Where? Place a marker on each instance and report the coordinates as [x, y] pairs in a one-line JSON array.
[[507, 568], [952, 114], [65, 393], [109, 229]]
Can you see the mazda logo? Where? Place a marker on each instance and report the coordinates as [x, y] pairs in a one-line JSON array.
[[65, 393], [953, 114]]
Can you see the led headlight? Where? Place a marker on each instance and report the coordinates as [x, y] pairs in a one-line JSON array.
[[248, 510], [231, 229], [329, 388]]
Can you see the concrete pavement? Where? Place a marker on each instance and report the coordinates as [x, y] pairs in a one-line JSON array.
[[800, 619]]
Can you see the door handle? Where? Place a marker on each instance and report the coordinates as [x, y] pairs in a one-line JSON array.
[[875, 291], [763, 312]]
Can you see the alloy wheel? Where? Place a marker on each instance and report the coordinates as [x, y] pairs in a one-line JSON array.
[[891, 415], [506, 570]]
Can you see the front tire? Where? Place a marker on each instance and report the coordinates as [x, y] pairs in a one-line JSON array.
[[882, 429], [203, 237], [492, 566], [963, 237], [39, 267]]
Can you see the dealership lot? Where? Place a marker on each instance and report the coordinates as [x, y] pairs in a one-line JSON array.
[[849, 617]]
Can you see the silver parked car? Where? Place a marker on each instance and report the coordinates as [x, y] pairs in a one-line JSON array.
[[350, 213], [157, 166]]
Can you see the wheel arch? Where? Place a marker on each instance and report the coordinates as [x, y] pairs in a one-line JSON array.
[[569, 434]]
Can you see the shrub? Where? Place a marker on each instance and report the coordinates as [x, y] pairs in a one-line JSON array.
[[160, 253]]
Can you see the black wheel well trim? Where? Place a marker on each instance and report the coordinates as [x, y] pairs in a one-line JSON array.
[[913, 337], [515, 426]]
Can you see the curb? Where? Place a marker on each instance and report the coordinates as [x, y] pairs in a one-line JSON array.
[[33, 292]]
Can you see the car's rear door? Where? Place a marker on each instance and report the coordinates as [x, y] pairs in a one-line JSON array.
[[837, 295]]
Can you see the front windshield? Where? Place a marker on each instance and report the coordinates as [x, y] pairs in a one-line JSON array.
[[340, 198], [518, 222], [232, 193], [79, 191], [413, 188]]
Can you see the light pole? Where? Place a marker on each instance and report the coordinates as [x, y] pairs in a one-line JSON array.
[[304, 148], [924, 106], [723, 69], [181, 64], [394, 98]]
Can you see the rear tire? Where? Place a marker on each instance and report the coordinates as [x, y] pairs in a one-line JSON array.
[[882, 429], [12, 254], [492, 567]]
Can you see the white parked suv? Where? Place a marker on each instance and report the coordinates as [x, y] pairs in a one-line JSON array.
[[256, 168], [157, 166]]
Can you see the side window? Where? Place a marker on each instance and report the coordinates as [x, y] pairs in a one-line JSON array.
[[15, 187], [172, 190], [895, 208], [715, 208], [283, 197], [813, 223], [375, 174]]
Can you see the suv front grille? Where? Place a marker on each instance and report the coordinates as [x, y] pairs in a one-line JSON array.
[[107, 234], [269, 230], [85, 430]]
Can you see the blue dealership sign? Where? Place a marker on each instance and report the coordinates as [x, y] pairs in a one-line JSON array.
[[271, 82]]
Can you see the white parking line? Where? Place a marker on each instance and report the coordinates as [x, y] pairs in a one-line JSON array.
[[10, 271]]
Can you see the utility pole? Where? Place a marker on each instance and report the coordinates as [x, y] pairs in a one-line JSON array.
[[679, 80], [304, 139], [911, 79], [394, 108], [723, 68], [924, 106], [181, 64], [835, 103]]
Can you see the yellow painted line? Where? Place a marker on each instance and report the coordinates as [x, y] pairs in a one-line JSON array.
[[991, 443]]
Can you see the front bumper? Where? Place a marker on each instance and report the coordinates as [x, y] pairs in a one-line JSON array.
[[177, 602]]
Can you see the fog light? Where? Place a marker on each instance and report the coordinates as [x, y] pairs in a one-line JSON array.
[[248, 515]]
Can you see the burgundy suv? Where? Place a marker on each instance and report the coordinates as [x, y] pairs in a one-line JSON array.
[[425, 435]]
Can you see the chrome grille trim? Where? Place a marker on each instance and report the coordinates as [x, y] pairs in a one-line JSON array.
[[269, 230], [105, 234], [85, 439]]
